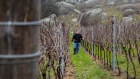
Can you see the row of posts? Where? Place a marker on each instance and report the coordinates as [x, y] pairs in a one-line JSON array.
[[20, 35], [114, 42]]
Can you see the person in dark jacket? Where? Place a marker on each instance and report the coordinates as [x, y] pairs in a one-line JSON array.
[[77, 37]]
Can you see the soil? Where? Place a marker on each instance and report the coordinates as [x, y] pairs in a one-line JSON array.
[[69, 74]]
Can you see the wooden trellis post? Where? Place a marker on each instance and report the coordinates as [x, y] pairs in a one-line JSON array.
[[19, 39]]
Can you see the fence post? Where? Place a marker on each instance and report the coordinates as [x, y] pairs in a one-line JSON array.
[[62, 63], [92, 43], [119, 26], [62, 60], [114, 41], [19, 39]]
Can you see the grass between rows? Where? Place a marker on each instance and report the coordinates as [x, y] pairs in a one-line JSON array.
[[85, 68], [122, 61]]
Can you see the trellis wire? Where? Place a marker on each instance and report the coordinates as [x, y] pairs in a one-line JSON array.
[[103, 42], [54, 48]]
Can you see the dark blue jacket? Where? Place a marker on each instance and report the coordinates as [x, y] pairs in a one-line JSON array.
[[77, 38]]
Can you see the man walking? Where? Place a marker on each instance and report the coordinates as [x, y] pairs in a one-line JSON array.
[[77, 37]]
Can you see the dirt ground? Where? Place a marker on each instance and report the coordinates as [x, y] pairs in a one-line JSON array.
[[69, 74]]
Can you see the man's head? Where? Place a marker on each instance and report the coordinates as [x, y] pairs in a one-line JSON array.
[[77, 31]]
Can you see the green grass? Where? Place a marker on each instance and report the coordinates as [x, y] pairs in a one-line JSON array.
[[51, 71], [123, 65], [84, 66], [122, 61]]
